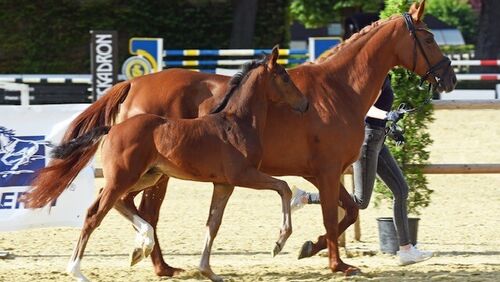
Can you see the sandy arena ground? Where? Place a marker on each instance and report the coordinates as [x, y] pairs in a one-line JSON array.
[[461, 225]]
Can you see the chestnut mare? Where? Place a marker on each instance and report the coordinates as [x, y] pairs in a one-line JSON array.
[[318, 145], [224, 147]]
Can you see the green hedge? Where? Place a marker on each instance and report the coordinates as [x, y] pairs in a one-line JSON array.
[[52, 36]]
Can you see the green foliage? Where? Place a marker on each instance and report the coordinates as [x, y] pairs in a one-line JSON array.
[[395, 7], [457, 49], [405, 85], [272, 25], [315, 13], [457, 13], [53, 36]]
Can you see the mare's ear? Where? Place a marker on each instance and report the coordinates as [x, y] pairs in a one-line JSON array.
[[417, 11], [273, 57]]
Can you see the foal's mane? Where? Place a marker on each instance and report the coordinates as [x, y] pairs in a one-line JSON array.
[[236, 81], [367, 29]]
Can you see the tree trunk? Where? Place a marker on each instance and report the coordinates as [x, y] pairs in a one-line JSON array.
[[488, 42], [243, 23]]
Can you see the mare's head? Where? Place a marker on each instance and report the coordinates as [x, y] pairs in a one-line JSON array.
[[418, 51], [271, 79]]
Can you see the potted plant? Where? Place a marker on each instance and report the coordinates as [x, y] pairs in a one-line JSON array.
[[413, 154]]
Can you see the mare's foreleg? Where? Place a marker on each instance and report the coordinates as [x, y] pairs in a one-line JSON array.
[[220, 197], [329, 190], [351, 214]]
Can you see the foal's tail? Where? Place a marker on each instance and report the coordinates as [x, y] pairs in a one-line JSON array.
[[101, 113], [69, 159]]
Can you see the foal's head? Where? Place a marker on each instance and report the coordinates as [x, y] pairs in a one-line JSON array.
[[419, 52], [282, 89], [270, 79]]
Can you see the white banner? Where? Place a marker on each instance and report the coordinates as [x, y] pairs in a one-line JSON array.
[[24, 134]]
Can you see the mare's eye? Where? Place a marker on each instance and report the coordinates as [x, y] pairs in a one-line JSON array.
[[429, 40]]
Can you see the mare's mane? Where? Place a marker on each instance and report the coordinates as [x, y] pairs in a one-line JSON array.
[[236, 81], [367, 29]]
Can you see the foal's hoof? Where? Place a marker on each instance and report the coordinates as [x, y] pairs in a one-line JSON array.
[[276, 250], [306, 250], [136, 256], [147, 252]]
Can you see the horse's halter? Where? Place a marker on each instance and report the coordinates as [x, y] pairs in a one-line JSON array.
[[432, 70]]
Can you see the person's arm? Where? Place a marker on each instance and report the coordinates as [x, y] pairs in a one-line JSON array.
[[377, 113]]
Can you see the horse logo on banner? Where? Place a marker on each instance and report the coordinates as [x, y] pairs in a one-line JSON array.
[[20, 157]]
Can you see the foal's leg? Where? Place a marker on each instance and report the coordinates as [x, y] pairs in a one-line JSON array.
[[347, 203], [95, 214], [220, 196], [252, 178]]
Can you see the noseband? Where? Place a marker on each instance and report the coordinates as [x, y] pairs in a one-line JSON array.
[[444, 63]]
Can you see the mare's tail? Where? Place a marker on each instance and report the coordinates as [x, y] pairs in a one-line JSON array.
[[101, 113], [69, 159]]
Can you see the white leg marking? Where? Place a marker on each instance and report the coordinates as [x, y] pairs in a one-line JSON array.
[[74, 269], [145, 234]]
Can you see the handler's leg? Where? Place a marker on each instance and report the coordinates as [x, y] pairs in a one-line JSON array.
[[365, 168], [393, 177]]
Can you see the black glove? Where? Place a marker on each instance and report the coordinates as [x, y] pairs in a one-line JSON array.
[[396, 134]]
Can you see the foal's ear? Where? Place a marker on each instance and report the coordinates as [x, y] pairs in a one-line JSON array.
[[417, 11], [273, 57]]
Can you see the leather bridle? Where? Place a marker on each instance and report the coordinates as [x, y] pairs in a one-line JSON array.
[[432, 71]]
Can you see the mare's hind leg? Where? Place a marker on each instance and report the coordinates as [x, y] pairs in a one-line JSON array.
[[220, 196], [346, 202], [144, 239], [252, 178], [149, 209], [95, 214]]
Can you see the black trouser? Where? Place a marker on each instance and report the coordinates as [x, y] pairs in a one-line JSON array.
[[375, 158]]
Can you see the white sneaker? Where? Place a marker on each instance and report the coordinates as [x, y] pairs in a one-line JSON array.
[[297, 201], [413, 255]]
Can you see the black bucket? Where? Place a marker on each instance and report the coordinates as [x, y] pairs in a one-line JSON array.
[[388, 236]]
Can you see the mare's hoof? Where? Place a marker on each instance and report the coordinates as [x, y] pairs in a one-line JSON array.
[[352, 271], [276, 250], [136, 256], [306, 250], [168, 271]]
